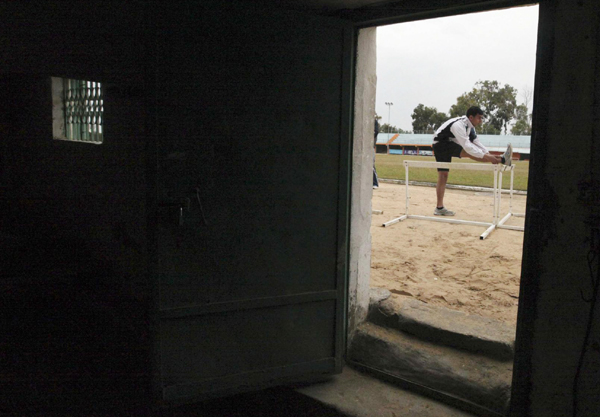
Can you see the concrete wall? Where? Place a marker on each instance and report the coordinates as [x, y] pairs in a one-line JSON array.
[[562, 220], [362, 177], [73, 216]]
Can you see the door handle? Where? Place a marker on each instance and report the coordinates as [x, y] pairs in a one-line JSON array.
[[172, 213]]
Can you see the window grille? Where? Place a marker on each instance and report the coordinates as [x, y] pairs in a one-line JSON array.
[[84, 108], [77, 110]]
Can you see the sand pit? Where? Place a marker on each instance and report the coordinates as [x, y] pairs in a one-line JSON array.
[[447, 264]]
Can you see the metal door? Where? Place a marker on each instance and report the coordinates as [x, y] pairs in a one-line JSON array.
[[252, 190]]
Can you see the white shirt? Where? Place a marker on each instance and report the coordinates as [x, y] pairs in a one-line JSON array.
[[460, 129]]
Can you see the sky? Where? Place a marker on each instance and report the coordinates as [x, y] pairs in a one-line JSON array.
[[434, 61]]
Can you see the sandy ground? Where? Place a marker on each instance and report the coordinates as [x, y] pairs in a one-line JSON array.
[[448, 264]]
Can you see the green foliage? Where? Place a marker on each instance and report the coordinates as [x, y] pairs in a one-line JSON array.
[[522, 125], [392, 167], [462, 105], [427, 119], [385, 128], [499, 104]]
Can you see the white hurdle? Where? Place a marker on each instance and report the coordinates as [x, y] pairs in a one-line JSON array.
[[497, 170]]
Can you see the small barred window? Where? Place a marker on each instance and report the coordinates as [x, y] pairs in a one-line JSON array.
[[78, 110]]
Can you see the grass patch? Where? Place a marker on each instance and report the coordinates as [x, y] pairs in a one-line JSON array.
[[392, 167]]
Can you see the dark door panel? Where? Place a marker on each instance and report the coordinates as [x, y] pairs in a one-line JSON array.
[[252, 195]]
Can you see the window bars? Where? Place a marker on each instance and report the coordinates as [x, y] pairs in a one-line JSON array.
[[84, 110]]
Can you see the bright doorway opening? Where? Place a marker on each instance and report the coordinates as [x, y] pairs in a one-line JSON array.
[[430, 71]]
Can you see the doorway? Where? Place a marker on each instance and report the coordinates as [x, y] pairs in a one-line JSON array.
[[408, 263]]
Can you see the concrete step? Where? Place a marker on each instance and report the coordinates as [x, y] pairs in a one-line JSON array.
[[442, 325], [471, 377], [359, 394]]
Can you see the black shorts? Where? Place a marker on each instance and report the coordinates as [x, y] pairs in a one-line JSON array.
[[444, 150]]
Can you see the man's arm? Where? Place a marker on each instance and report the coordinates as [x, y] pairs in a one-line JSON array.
[[488, 157], [458, 129], [480, 145]]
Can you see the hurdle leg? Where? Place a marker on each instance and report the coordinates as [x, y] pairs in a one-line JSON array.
[[487, 232], [405, 216], [501, 224], [512, 178], [495, 195], [512, 175], [504, 219], [406, 183], [394, 221], [499, 195], [496, 205]]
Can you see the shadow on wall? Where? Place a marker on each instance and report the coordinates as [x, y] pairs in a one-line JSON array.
[[74, 331]]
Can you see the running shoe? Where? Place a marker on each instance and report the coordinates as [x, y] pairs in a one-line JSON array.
[[443, 212], [507, 156]]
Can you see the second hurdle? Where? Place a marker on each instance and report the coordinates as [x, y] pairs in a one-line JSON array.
[[496, 223]]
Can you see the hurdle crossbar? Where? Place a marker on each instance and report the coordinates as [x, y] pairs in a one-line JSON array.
[[497, 170]]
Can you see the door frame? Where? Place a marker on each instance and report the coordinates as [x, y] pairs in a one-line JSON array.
[[360, 263]]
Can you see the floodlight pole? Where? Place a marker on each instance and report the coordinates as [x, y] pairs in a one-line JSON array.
[[389, 104]]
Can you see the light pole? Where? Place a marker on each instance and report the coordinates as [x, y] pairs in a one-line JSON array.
[[389, 104]]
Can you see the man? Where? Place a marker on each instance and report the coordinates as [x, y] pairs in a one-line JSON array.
[[457, 138], [375, 178]]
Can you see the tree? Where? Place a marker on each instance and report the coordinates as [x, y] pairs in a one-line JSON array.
[[498, 103], [522, 125], [427, 119], [527, 94], [385, 128], [462, 105]]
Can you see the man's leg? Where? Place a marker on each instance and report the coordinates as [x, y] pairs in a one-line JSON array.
[[443, 152], [440, 187], [375, 179], [440, 190]]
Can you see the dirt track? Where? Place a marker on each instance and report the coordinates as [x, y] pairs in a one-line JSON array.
[[448, 264]]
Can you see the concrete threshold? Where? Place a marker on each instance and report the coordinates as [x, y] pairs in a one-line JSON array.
[[359, 394], [443, 326], [459, 356], [476, 379]]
